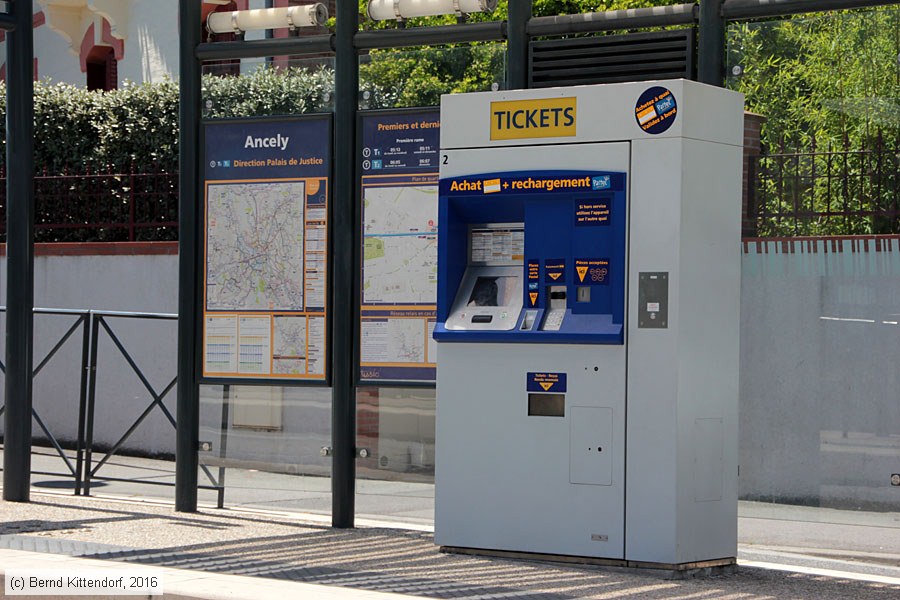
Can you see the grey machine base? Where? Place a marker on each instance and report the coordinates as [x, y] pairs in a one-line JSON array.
[[700, 569]]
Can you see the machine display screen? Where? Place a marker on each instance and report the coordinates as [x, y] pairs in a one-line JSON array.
[[497, 245], [493, 291]]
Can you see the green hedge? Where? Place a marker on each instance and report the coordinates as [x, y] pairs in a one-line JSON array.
[[137, 126]]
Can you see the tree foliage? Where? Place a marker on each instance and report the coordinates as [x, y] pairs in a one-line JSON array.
[[828, 86], [821, 77], [417, 77], [136, 127]]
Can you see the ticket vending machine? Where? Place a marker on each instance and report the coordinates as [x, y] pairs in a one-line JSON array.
[[588, 322]]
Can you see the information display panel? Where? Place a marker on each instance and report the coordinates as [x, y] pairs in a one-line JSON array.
[[265, 267], [398, 155]]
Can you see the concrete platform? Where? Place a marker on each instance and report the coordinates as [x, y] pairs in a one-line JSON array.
[[253, 554]]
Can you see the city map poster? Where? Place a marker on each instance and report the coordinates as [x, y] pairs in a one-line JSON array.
[[265, 273], [398, 159]]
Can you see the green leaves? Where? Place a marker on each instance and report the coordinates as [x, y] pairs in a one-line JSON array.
[[268, 91], [828, 85], [137, 125]]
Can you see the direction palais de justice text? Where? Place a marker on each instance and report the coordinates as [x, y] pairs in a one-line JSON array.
[[279, 142]]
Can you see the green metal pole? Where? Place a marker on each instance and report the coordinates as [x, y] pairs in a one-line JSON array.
[[19, 254], [345, 268], [188, 406], [711, 59], [517, 44]]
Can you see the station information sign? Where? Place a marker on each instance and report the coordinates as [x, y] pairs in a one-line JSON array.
[[398, 159], [265, 269]]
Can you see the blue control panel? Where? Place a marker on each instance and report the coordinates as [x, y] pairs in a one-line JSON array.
[[553, 239]]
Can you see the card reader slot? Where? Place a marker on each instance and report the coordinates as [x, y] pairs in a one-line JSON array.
[[482, 318]]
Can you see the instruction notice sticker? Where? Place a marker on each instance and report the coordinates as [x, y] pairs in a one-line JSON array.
[[655, 110], [592, 271], [534, 279], [547, 382], [595, 212], [555, 270]]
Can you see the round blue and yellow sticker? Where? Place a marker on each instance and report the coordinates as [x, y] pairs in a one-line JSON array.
[[656, 110]]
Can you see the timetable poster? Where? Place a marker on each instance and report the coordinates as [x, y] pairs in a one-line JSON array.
[[398, 158]]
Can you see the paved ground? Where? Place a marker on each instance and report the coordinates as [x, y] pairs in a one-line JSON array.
[[368, 558], [261, 534]]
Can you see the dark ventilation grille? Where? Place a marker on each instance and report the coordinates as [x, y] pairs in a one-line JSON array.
[[613, 58]]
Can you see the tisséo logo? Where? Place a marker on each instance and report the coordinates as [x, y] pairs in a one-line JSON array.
[[655, 110]]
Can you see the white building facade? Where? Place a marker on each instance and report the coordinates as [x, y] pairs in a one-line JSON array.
[[100, 44]]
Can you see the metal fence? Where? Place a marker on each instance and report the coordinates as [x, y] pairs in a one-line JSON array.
[[94, 326], [102, 206], [827, 188], [81, 321]]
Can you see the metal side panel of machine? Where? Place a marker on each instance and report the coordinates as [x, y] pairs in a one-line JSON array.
[[512, 475]]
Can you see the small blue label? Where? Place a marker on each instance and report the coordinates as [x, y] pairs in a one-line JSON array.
[[376, 164], [555, 270], [665, 104], [601, 182], [547, 382]]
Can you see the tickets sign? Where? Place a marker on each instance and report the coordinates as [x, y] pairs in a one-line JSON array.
[[525, 119]]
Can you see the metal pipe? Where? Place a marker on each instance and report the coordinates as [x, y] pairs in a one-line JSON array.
[[517, 45], [364, 40], [421, 36], [345, 270], [187, 432], [134, 315], [19, 254], [635, 18], [711, 47], [748, 9], [313, 44]]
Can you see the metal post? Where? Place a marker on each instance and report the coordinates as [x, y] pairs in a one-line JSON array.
[[20, 253], [223, 445], [91, 404], [86, 319], [345, 270], [517, 45], [188, 407], [711, 59]]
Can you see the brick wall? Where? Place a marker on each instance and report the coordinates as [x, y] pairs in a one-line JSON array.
[[752, 149]]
